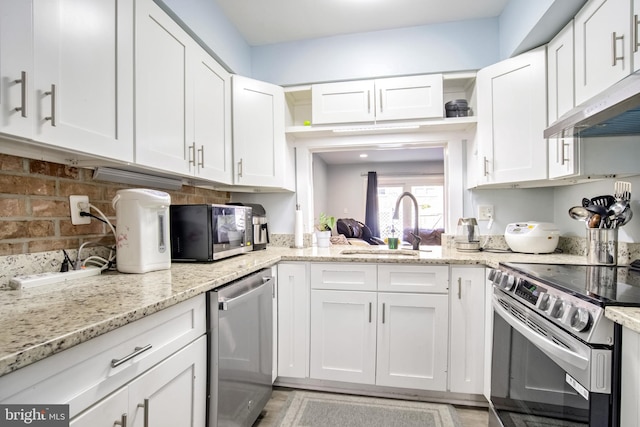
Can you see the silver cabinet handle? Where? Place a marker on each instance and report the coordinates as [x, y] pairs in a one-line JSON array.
[[485, 169], [23, 94], [145, 406], [192, 154], [52, 93], [614, 38], [564, 159], [122, 422], [370, 312], [240, 169], [383, 316], [201, 156], [368, 101], [136, 351], [381, 100], [459, 287]]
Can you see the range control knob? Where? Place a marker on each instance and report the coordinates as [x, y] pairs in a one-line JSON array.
[[507, 281], [492, 274], [496, 277], [545, 302], [581, 320], [558, 309]]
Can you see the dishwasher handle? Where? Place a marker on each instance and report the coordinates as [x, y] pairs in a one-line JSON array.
[[248, 289]]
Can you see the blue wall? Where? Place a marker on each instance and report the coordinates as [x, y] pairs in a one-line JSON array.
[[465, 45], [454, 46]]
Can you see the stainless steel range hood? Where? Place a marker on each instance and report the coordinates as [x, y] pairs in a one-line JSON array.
[[614, 112]]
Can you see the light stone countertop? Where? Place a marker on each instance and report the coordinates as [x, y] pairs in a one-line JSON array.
[[629, 317], [39, 322]]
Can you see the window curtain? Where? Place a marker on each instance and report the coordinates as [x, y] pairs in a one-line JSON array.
[[371, 212]]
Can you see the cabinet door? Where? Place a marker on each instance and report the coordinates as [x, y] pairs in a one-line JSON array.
[[105, 413], [163, 91], [343, 102], [405, 98], [635, 42], [83, 75], [602, 52], [560, 99], [412, 341], [16, 60], [293, 320], [512, 107], [258, 133], [343, 336], [467, 330], [173, 393], [630, 385], [211, 153]]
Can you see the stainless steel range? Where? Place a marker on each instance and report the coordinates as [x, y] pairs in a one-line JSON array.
[[555, 356]]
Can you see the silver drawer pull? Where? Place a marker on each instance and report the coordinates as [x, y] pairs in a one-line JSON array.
[[136, 351], [52, 94], [145, 406], [23, 94], [122, 422]]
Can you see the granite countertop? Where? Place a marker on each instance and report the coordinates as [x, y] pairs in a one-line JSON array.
[[39, 322], [629, 317]]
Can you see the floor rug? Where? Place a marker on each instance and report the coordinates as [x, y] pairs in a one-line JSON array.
[[312, 409]]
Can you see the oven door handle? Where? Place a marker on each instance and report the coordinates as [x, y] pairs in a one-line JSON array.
[[551, 349]]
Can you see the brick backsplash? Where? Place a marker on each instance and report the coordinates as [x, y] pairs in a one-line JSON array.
[[34, 205]]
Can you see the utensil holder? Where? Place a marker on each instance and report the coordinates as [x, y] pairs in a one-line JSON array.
[[602, 246]]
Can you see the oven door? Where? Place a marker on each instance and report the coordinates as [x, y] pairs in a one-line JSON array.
[[541, 375]]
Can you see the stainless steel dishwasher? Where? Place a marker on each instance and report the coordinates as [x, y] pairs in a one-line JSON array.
[[240, 342]]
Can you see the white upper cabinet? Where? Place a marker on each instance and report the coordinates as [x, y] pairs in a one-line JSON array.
[[259, 144], [512, 115], [163, 90], [398, 98], [635, 42], [560, 99], [16, 68], [211, 141], [602, 46], [183, 97], [76, 59]]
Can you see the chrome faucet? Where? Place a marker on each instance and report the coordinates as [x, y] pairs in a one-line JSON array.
[[416, 231]]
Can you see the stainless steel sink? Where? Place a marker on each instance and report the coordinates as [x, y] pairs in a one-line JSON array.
[[385, 252]]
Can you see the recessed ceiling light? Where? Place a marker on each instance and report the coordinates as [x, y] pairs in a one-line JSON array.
[[363, 155]]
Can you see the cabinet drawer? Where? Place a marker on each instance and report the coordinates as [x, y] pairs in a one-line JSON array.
[[84, 374], [413, 278], [353, 277]]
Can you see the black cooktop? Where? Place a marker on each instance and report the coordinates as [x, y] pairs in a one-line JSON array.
[[601, 285]]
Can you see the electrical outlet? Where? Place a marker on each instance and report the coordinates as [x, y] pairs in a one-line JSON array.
[[485, 212], [75, 203]]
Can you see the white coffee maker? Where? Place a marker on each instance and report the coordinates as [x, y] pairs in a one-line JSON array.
[[142, 230]]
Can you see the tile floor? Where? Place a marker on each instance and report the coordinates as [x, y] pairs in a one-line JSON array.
[[469, 417]]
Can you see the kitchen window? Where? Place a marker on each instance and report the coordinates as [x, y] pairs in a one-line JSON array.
[[428, 190]]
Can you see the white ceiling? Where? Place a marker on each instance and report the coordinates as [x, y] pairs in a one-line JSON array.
[[347, 157], [275, 21]]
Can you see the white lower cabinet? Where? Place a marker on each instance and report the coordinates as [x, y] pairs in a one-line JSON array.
[[467, 330], [173, 393], [343, 336], [630, 385], [412, 341], [361, 335], [159, 359], [293, 320]]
